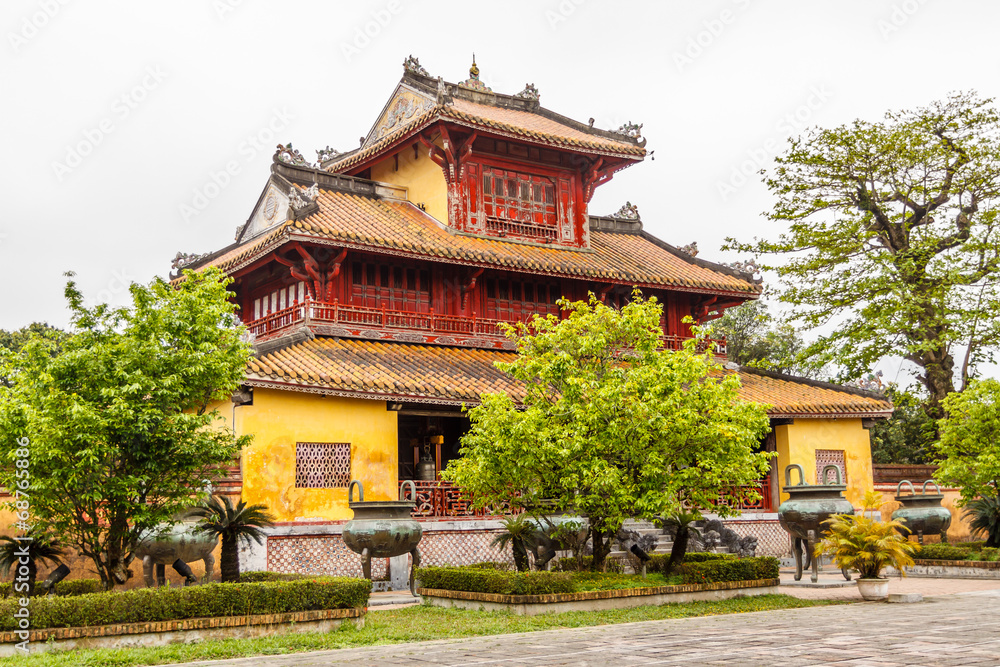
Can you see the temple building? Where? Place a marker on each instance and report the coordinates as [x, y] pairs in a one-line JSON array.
[[373, 283]]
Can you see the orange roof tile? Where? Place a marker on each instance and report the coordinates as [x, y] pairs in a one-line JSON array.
[[451, 375], [526, 124], [379, 225]]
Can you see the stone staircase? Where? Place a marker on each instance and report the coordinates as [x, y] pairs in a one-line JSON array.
[[663, 543]]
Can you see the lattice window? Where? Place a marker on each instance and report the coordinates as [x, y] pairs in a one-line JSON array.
[[322, 465], [825, 457]]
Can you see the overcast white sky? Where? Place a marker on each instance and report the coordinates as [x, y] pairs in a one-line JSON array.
[[117, 114]]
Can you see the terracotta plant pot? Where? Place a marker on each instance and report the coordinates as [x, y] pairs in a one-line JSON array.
[[874, 590]]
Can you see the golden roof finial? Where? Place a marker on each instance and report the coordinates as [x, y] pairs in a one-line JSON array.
[[474, 70]]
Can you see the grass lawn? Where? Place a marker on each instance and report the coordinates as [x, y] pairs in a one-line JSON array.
[[410, 624]]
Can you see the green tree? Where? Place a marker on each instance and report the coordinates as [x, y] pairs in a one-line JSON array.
[[242, 523], [51, 336], [610, 426], [117, 427], [908, 436], [969, 448], [755, 339], [892, 240]]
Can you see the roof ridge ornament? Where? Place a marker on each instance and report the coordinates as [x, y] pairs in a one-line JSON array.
[[289, 155], [628, 211], [529, 92], [473, 81], [324, 154], [412, 65], [630, 130], [690, 249], [183, 260], [749, 267]]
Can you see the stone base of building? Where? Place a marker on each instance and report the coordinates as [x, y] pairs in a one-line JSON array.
[[533, 605], [181, 631]]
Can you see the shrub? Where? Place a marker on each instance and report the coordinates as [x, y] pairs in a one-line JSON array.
[[990, 553], [260, 575], [481, 580], [144, 605], [75, 587], [492, 565], [660, 562], [614, 565], [944, 552], [730, 569]]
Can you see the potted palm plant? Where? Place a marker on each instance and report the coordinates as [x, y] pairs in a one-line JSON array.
[[867, 546]]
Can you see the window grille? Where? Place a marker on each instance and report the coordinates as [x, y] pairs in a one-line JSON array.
[[825, 457], [322, 465]]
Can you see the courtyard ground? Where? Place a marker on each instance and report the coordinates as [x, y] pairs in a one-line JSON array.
[[955, 629]]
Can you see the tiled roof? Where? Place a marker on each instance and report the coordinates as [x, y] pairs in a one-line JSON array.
[[380, 225], [531, 126], [426, 373]]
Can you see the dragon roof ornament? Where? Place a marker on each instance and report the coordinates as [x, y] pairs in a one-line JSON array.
[[628, 211], [290, 155], [529, 92], [412, 65], [183, 260]]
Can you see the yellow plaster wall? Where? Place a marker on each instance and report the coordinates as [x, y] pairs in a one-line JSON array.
[[280, 419], [798, 442], [421, 176]]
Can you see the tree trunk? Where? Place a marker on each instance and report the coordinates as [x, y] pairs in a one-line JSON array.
[[229, 561], [520, 555], [32, 575], [679, 548], [602, 547], [939, 381]]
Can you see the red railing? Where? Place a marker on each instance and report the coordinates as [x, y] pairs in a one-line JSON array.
[[320, 312], [528, 230], [762, 488], [444, 500]]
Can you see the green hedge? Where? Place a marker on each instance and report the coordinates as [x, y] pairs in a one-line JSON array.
[[481, 580], [66, 588], [702, 556], [611, 564], [258, 576], [943, 552], [658, 562], [492, 565], [143, 605], [736, 569]]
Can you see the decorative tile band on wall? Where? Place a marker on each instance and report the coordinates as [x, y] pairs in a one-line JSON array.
[[328, 555]]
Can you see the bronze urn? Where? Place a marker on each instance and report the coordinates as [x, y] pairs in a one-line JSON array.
[[383, 528], [922, 513], [803, 514]]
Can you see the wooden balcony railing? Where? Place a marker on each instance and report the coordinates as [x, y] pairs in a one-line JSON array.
[[444, 500], [336, 313], [763, 488]]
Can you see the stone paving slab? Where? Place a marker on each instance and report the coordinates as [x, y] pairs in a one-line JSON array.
[[961, 629]]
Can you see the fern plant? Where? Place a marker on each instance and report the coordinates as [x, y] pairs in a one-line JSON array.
[[863, 544]]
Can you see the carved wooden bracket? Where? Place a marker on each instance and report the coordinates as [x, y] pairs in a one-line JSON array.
[[449, 156]]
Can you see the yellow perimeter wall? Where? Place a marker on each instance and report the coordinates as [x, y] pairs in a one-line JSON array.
[[280, 419], [798, 442], [422, 178]]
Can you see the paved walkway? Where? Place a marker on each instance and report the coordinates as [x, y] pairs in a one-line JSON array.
[[924, 585], [962, 629]]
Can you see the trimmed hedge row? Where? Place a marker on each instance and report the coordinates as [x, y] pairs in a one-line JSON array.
[[735, 569], [69, 588], [658, 563], [968, 551], [143, 605], [484, 580]]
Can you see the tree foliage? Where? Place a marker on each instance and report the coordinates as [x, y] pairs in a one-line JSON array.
[[116, 426], [908, 436], [969, 448], [610, 426], [892, 239], [755, 339]]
